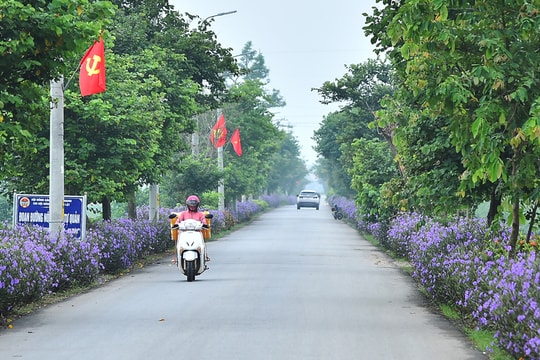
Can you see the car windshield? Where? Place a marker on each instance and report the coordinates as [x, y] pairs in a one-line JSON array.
[[308, 193]]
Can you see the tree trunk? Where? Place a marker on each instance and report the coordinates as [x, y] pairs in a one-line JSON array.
[[515, 203], [132, 206], [494, 204], [515, 225], [106, 208], [532, 220], [388, 134], [153, 214]]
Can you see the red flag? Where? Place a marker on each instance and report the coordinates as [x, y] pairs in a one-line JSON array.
[[92, 73], [218, 135], [236, 144]]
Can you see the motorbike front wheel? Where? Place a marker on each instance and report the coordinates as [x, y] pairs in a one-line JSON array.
[[190, 270]]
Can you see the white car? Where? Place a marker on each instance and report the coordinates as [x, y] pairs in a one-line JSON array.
[[308, 198]]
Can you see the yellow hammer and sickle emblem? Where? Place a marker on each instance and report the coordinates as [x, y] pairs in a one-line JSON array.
[[93, 70]]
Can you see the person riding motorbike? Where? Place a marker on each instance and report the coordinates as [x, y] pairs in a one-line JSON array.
[[192, 212]]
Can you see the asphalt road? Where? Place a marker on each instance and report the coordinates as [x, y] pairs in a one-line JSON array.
[[294, 284]]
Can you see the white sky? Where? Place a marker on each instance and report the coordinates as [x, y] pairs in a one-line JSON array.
[[304, 44]]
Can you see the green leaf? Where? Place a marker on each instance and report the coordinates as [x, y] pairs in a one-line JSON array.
[[495, 169], [477, 126], [502, 118], [443, 13]]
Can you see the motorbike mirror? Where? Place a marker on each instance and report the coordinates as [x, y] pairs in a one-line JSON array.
[[208, 216], [172, 216]]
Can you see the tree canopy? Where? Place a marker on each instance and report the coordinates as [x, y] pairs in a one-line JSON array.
[[37, 42], [459, 112], [472, 63]]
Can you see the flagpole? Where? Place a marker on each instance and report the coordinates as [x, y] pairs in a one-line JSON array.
[[56, 161], [221, 183]]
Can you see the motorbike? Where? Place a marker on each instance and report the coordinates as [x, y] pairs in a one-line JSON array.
[[336, 212], [190, 236]]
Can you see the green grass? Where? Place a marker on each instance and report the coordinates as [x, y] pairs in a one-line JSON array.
[[449, 312], [483, 340]]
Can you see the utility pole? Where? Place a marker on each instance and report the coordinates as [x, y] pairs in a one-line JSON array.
[[195, 137], [221, 183], [154, 203], [56, 161]]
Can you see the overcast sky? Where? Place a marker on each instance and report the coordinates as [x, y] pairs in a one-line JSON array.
[[304, 44]]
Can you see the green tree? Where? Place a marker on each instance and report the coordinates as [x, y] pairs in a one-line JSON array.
[[113, 144], [37, 41], [328, 140], [253, 65], [265, 147], [189, 56], [260, 139], [373, 167], [249, 108], [193, 175], [141, 24], [474, 64], [289, 170], [360, 91], [155, 72]]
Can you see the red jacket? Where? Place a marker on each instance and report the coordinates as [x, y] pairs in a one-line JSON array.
[[195, 215]]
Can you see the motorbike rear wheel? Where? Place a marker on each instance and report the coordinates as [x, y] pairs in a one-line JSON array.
[[190, 270]]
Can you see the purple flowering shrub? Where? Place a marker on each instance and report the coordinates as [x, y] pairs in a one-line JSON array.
[[25, 268], [32, 263], [117, 243], [400, 232], [463, 263], [77, 261], [441, 257], [122, 242], [275, 200], [508, 302], [245, 210], [218, 222]]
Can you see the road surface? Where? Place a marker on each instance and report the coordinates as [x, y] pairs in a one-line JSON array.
[[294, 284]]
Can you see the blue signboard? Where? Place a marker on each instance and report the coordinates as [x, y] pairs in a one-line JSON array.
[[34, 209]]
